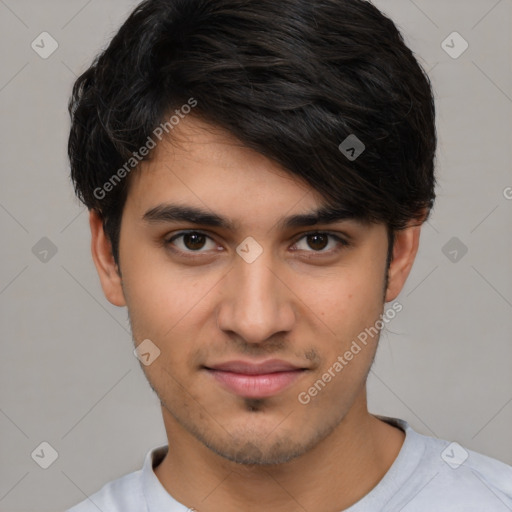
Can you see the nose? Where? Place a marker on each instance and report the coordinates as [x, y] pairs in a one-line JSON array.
[[256, 304]]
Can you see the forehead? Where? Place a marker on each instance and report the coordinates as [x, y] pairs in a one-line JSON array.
[[206, 177], [204, 165]]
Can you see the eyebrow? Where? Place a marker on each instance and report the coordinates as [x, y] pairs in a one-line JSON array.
[[183, 213]]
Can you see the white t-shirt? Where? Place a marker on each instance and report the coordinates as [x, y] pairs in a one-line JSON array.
[[428, 475]]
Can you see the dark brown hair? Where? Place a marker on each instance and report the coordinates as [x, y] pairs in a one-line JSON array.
[[291, 79]]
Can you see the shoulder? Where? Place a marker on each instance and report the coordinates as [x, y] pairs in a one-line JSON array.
[[435, 474], [122, 495], [451, 477], [130, 493]]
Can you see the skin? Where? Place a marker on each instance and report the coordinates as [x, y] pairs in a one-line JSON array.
[[297, 301]]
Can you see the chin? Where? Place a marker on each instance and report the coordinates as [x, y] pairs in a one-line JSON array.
[[258, 453]]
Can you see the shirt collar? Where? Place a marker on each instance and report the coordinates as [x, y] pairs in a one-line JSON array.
[[156, 496], [158, 499]]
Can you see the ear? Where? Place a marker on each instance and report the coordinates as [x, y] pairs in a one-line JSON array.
[[404, 253], [106, 266]]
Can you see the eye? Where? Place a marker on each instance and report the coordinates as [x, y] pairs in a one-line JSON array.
[[318, 241], [190, 241]]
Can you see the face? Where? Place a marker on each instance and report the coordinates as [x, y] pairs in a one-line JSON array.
[[248, 310]]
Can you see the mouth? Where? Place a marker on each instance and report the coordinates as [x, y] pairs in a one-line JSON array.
[[251, 380]]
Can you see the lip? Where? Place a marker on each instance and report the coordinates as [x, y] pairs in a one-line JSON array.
[[255, 380], [248, 368]]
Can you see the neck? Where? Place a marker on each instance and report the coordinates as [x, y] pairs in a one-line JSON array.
[[335, 474]]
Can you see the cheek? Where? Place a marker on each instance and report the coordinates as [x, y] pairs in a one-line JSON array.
[[170, 305], [350, 304], [156, 292], [344, 301]]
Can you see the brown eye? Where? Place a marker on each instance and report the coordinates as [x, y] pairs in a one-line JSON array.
[[194, 241], [189, 242], [320, 242]]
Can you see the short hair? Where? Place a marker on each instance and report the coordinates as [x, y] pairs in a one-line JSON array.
[[290, 79]]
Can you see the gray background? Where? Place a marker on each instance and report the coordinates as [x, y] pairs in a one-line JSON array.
[[68, 375]]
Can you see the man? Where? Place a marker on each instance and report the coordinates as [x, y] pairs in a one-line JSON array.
[[257, 174]]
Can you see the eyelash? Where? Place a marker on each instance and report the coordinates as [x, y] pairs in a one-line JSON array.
[[192, 254]]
